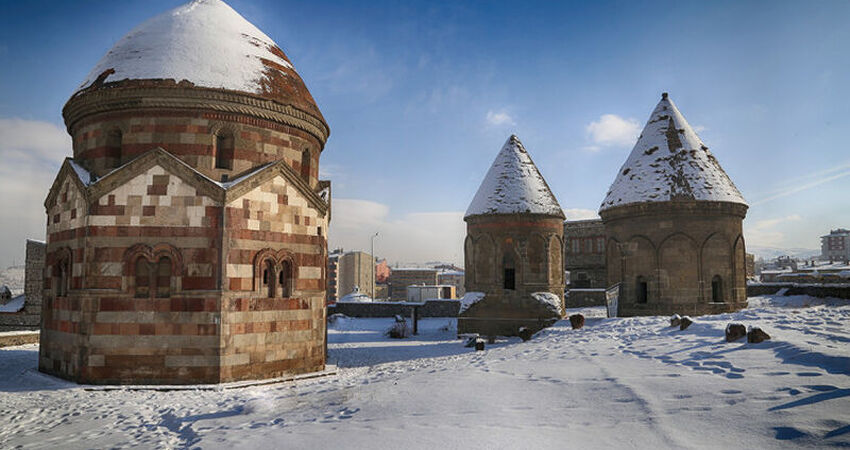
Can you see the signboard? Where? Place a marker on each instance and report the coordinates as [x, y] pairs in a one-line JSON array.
[[612, 297]]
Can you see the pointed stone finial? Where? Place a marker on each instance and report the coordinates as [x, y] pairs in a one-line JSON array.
[[663, 96]]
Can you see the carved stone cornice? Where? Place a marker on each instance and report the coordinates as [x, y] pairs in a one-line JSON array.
[[673, 208], [124, 98]]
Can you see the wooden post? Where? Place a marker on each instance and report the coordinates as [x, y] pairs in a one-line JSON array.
[[415, 320]]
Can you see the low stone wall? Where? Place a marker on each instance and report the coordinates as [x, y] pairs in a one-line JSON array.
[[9, 339], [814, 290], [580, 298], [431, 308]]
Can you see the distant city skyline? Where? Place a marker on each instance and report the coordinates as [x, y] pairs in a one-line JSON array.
[[420, 96]]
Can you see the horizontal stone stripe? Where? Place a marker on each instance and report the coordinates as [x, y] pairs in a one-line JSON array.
[[151, 231], [518, 224], [150, 375], [273, 236], [122, 341], [158, 304], [265, 304], [267, 327], [154, 329], [138, 350]]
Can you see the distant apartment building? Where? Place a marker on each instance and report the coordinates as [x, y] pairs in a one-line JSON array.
[[333, 279], [584, 259], [382, 272], [454, 277], [420, 293], [835, 246], [401, 278], [355, 269]]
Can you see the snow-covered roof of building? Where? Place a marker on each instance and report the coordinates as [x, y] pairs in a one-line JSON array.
[[669, 162], [208, 44], [514, 185]]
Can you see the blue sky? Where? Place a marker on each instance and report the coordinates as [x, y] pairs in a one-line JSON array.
[[420, 97]]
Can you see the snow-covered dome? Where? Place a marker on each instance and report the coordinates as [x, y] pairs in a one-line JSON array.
[[208, 44], [669, 162], [514, 185]]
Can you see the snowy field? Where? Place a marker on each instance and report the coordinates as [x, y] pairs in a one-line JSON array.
[[617, 383]]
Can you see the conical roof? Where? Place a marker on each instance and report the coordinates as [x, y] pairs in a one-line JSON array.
[[514, 185], [669, 162], [210, 45]]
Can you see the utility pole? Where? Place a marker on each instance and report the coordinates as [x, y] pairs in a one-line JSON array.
[[374, 263]]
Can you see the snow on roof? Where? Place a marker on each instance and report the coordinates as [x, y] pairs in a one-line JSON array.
[[14, 305], [514, 185], [82, 173], [204, 41], [669, 162]]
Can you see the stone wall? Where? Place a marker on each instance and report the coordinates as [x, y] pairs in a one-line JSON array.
[[580, 298], [677, 250], [820, 291], [529, 246], [431, 308], [29, 318], [584, 254], [400, 279]]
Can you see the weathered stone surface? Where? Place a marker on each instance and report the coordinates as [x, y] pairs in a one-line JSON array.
[[757, 335], [735, 331], [675, 320], [685, 323], [576, 321], [525, 333]]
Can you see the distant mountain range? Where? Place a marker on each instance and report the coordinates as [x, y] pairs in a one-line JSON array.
[[768, 253]]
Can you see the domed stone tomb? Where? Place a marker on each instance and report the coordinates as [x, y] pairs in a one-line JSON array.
[[513, 249], [186, 237], [673, 220]]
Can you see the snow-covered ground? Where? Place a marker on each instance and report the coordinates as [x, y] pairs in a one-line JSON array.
[[617, 383]]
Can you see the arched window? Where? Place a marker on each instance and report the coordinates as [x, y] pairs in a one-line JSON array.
[[113, 148], [143, 278], [305, 164], [285, 279], [717, 289], [509, 271], [62, 277], [163, 277], [269, 278], [224, 150], [641, 290]]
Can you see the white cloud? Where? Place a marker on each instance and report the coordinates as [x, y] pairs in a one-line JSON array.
[[414, 237], [580, 214], [31, 153], [498, 118], [764, 232], [612, 130]]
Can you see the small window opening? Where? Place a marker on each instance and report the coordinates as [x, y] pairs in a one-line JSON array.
[[509, 272], [286, 279], [717, 289], [113, 149], [143, 278], [305, 164], [163, 277], [224, 151], [641, 290], [268, 279], [62, 278]]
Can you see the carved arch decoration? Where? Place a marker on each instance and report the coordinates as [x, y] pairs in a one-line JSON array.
[[485, 260], [739, 269], [281, 279], [61, 271], [556, 260], [679, 268], [716, 262], [150, 262], [613, 261], [537, 258]]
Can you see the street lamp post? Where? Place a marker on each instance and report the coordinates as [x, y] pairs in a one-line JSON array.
[[373, 263]]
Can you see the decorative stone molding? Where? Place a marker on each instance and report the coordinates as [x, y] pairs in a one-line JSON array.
[[106, 100]]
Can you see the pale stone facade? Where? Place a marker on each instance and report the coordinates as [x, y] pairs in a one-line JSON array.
[[186, 238]]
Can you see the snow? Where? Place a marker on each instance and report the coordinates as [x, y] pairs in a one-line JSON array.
[[514, 185], [13, 277], [14, 305], [355, 296], [616, 383], [670, 162], [83, 174], [204, 41], [549, 300], [469, 299]]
